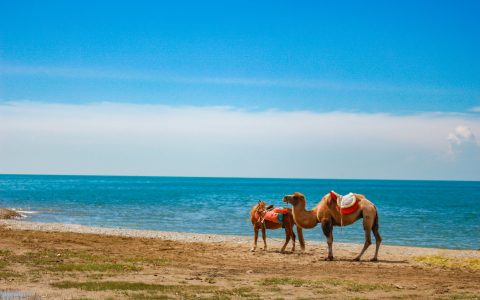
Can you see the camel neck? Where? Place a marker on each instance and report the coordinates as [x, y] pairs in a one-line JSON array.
[[304, 218], [301, 206]]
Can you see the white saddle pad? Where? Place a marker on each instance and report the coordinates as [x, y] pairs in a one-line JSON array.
[[346, 201]]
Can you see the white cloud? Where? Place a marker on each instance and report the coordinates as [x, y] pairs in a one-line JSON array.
[[131, 139], [461, 135], [475, 109], [463, 143]]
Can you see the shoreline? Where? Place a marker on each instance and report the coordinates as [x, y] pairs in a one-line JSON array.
[[396, 250]]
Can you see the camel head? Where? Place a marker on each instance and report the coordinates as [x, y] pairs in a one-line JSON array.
[[260, 205], [294, 199], [257, 210]]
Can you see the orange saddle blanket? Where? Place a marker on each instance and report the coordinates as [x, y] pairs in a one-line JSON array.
[[275, 215]]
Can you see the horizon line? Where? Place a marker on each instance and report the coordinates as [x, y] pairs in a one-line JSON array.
[[233, 177]]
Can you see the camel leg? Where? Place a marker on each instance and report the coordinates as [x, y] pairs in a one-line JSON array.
[[367, 226], [300, 238], [255, 238], [293, 239], [264, 236], [378, 238], [327, 227], [287, 239], [289, 234]]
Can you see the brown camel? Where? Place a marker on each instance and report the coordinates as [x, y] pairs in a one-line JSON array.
[[256, 214], [327, 214]]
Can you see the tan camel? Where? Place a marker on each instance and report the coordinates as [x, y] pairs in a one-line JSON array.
[[256, 218], [327, 214]]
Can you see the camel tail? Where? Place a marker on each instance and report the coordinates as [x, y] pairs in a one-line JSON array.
[[300, 237]]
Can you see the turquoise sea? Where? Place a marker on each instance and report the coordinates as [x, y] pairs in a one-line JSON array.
[[441, 214]]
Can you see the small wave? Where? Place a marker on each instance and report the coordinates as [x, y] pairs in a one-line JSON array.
[[28, 212]]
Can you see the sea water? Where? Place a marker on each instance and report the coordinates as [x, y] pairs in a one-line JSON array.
[[441, 214]]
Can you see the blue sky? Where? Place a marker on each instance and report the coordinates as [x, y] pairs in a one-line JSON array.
[[364, 56], [407, 59]]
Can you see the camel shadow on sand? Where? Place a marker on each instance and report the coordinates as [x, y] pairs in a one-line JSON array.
[[342, 259], [336, 259]]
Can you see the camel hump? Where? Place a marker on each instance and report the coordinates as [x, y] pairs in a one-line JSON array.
[[348, 200], [346, 204], [345, 201]]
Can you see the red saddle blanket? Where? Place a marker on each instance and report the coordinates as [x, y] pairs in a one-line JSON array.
[[345, 204], [275, 215]]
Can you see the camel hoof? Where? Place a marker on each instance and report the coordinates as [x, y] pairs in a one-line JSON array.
[[374, 259], [356, 259], [330, 258], [252, 250]]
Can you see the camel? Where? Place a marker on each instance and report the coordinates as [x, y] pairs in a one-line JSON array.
[[327, 214], [256, 218]]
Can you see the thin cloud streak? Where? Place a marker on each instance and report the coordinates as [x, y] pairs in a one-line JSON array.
[[323, 84]]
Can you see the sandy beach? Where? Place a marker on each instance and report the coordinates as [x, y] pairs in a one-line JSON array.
[[62, 261]]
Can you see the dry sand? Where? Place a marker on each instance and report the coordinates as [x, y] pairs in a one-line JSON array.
[[62, 261]]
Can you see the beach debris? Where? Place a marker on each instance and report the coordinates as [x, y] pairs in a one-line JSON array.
[[17, 295], [210, 280], [6, 214]]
